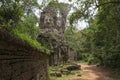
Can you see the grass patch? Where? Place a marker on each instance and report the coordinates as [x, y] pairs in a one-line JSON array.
[[116, 74], [83, 62], [72, 74], [32, 42]]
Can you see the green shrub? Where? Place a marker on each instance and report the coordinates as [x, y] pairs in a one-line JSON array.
[[32, 42]]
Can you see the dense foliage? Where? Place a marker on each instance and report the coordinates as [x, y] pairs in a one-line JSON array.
[[18, 17], [101, 40]]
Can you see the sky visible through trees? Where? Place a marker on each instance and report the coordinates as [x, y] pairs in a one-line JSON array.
[[80, 24]]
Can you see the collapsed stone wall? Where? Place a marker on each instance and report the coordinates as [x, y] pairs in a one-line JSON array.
[[19, 61]]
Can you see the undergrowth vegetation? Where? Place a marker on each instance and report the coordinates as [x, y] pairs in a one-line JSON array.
[[18, 18], [32, 42], [66, 75]]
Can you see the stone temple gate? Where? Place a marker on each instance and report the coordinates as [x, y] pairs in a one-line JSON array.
[[52, 28], [20, 61], [53, 19]]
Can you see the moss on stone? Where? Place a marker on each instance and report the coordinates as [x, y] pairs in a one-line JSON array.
[[32, 42]]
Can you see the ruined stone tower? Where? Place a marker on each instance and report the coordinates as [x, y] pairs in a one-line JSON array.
[[54, 18], [52, 24]]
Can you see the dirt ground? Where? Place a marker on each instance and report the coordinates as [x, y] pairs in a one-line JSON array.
[[94, 73]]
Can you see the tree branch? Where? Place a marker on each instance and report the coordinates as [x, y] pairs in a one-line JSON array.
[[112, 2]]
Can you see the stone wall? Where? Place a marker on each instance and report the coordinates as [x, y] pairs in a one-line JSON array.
[[19, 61]]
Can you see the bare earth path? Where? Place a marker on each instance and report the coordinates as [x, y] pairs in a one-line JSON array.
[[94, 73]]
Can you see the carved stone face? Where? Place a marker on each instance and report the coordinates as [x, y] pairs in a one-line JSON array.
[[48, 21]]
